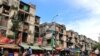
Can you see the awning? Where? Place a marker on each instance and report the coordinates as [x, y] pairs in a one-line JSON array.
[[36, 47], [78, 50], [74, 49], [33, 47], [48, 48], [67, 49], [59, 48], [10, 46], [24, 45]]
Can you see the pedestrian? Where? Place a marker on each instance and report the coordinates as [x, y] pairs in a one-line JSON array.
[[29, 51], [83, 53], [1, 53], [92, 53], [25, 53], [47, 53]]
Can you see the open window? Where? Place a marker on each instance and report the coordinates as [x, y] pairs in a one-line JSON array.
[[36, 29], [25, 26], [22, 16], [4, 9], [37, 20], [24, 36], [36, 33], [24, 6], [24, 33], [49, 42], [60, 36], [76, 39], [61, 30], [21, 37]]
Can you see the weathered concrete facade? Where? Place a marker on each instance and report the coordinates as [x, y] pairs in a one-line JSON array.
[[18, 19]]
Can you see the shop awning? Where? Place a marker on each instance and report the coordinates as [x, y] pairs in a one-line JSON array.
[[33, 47], [10, 46], [58, 48], [24, 45], [75, 50], [48, 48], [67, 49], [36, 47]]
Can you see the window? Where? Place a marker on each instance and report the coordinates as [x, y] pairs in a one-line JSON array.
[[22, 16], [26, 26], [3, 21], [61, 30], [36, 29], [37, 18], [36, 33], [49, 41], [60, 35], [6, 9], [24, 36], [76, 40]]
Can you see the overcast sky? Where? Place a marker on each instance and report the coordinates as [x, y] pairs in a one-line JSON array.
[[82, 16]]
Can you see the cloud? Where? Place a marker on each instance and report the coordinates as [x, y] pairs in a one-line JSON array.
[[91, 5], [89, 26]]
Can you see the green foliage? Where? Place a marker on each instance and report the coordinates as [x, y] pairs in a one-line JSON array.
[[15, 25], [97, 46]]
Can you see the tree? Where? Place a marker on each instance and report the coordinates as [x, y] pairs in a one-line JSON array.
[[97, 46], [15, 25]]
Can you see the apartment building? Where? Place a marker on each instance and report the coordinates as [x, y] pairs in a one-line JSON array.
[[7, 11], [79, 42], [18, 22], [56, 32], [73, 40]]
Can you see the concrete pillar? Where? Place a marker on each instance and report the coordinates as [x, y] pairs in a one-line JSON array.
[[32, 10], [31, 33], [31, 20], [64, 39]]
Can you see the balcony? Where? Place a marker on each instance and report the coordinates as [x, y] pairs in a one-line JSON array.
[[37, 20], [4, 10], [24, 6], [23, 17]]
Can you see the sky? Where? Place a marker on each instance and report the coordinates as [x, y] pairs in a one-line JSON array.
[[82, 16]]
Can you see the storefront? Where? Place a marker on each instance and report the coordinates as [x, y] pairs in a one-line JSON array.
[[9, 50], [75, 51]]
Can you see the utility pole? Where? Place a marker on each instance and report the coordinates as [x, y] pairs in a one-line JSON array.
[[53, 32]]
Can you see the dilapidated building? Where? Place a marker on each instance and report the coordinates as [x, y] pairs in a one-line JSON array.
[[53, 31], [18, 21]]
